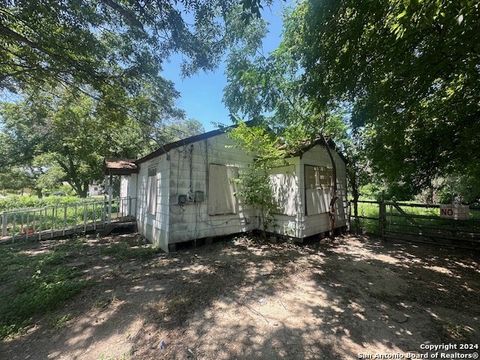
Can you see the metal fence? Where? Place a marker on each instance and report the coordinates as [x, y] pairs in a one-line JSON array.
[[415, 222], [64, 219]]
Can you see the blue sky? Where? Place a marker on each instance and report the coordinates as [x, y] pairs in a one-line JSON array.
[[201, 94]]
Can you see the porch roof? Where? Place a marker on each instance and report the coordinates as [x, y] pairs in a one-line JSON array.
[[120, 167]]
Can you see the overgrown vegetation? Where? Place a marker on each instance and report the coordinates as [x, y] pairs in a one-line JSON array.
[[88, 84], [393, 83], [428, 217], [254, 186], [23, 201], [33, 283]]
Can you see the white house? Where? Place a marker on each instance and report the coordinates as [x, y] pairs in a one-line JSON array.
[[184, 191]]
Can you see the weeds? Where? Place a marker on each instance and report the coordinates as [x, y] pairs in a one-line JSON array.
[[34, 284]]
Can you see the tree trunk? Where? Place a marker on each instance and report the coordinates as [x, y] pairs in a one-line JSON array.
[[353, 181], [355, 195], [83, 190], [39, 193], [334, 198]]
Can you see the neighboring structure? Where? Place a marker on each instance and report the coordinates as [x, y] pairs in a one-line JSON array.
[[95, 189], [184, 191]]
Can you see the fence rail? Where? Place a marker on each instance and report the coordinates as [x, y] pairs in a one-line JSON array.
[[64, 219], [415, 222]]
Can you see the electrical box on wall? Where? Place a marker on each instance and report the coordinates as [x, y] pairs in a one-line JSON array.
[[199, 196], [182, 199]]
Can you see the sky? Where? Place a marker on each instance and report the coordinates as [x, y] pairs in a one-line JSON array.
[[202, 93]]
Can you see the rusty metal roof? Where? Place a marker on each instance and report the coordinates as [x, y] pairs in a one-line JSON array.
[[120, 166], [307, 145]]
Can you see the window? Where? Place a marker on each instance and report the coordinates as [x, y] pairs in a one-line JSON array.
[[152, 191], [221, 191], [318, 189]]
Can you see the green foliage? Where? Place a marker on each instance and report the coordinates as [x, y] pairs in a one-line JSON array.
[[255, 189], [268, 89], [64, 135], [410, 71], [254, 186], [14, 178], [34, 284], [464, 188], [259, 143], [111, 44], [23, 201]]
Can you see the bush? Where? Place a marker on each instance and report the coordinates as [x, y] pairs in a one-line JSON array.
[[31, 201]]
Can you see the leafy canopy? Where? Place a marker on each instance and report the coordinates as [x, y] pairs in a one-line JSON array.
[[106, 42], [64, 135], [410, 70]]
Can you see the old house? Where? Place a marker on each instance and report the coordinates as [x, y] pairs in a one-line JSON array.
[[184, 191]]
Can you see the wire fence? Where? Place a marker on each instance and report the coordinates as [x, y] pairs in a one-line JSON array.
[[424, 222], [64, 219]]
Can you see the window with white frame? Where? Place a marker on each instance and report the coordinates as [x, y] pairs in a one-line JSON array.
[[318, 189], [221, 189], [152, 191]]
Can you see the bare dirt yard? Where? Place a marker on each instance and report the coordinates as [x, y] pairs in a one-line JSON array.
[[115, 298]]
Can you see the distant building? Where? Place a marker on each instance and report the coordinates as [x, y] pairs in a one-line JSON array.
[[95, 189]]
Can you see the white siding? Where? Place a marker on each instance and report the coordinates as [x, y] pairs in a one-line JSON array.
[[128, 193], [285, 183], [191, 221], [184, 171], [154, 227], [313, 224]]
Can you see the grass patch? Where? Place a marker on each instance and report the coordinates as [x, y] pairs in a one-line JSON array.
[[33, 283], [60, 321]]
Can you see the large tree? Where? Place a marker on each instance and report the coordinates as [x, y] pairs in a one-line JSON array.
[[268, 88], [106, 42], [112, 50], [410, 70], [64, 135]]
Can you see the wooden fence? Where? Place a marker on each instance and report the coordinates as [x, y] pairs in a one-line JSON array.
[[415, 222], [65, 219]]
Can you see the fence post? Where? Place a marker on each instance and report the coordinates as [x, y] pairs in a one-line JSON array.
[[4, 224], [85, 209], [64, 218], [382, 217]]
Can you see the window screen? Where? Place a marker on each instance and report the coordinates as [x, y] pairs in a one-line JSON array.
[[221, 199], [152, 191], [318, 189]]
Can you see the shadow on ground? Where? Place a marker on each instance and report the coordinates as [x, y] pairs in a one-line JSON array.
[[244, 298]]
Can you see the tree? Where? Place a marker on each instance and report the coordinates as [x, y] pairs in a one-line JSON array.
[[268, 89], [410, 71], [254, 186], [64, 135], [14, 179], [105, 42]]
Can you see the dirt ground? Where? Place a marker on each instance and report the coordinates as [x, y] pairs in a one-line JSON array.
[[248, 299]]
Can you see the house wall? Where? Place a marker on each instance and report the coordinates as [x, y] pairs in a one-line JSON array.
[[313, 224], [192, 220], [128, 194], [185, 171], [285, 184], [154, 227]]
